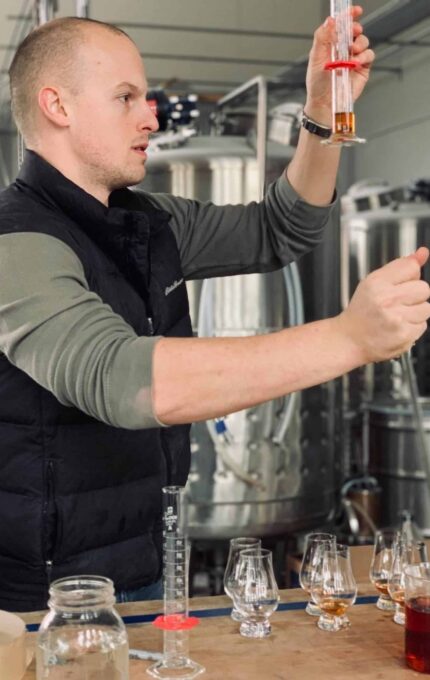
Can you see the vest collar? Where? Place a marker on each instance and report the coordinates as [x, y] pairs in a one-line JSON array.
[[123, 230], [128, 213]]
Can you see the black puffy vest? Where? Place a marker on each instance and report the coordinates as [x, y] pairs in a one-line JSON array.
[[75, 492]]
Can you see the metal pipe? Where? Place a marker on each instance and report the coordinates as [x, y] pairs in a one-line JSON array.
[[215, 59], [391, 19], [395, 17], [261, 83], [238, 91], [261, 134], [423, 444], [44, 11], [83, 9], [208, 29]]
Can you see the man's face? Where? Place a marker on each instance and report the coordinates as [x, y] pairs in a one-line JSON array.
[[110, 120]]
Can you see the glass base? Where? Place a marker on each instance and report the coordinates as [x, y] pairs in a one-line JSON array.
[[343, 140], [236, 615], [330, 624], [312, 609], [386, 605], [344, 621], [399, 616], [252, 629], [186, 671]]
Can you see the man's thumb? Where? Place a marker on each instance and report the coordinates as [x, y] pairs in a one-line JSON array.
[[421, 255]]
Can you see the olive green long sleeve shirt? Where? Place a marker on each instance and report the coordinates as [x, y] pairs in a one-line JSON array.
[[59, 332]]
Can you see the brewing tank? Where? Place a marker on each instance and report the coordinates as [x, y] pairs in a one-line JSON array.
[[382, 432], [274, 468]]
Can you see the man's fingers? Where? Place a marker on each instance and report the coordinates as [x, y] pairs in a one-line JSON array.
[[325, 35], [413, 292], [417, 313], [360, 44], [365, 59], [420, 330]]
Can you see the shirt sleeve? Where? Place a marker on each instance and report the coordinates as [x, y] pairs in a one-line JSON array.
[[236, 239], [66, 338]]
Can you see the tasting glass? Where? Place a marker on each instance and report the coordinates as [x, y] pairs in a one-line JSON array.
[[236, 545], [403, 554], [333, 587], [417, 609], [255, 592], [380, 567], [311, 555]]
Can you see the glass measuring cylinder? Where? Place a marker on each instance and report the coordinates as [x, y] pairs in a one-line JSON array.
[[341, 65], [175, 623], [176, 551]]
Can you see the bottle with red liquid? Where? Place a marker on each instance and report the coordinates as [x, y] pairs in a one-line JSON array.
[[417, 627]]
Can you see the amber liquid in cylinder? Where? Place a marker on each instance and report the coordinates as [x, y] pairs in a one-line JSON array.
[[344, 123]]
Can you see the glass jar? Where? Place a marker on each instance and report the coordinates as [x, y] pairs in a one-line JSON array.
[[82, 637]]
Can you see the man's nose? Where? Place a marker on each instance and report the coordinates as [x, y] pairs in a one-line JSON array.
[[148, 120]]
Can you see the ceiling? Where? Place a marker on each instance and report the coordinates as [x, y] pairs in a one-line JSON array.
[[196, 45]]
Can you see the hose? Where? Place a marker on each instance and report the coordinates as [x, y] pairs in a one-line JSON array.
[[218, 430], [411, 380]]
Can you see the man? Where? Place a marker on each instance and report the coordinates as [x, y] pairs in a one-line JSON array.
[[98, 374]]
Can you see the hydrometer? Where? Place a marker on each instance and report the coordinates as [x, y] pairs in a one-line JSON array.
[[341, 65]]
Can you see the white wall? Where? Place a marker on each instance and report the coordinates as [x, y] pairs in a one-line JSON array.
[[394, 116]]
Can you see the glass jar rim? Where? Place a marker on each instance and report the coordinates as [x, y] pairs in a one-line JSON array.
[[254, 553], [249, 540], [320, 536], [79, 592]]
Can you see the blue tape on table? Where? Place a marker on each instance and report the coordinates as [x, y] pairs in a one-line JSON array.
[[224, 611]]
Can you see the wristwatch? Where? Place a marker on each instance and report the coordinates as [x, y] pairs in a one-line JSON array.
[[315, 128]]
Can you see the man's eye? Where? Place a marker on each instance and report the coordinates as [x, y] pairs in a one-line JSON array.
[[125, 98]]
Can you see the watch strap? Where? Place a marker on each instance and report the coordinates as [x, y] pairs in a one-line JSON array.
[[315, 128]]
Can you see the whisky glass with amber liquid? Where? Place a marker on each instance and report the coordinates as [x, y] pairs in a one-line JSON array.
[[381, 566], [333, 587], [396, 580], [341, 66], [311, 557]]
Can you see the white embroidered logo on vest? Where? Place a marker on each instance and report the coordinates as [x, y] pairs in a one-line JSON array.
[[170, 289]]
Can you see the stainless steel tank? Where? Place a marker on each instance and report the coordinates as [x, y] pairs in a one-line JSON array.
[[381, 432], [396, 460], [274, 468]]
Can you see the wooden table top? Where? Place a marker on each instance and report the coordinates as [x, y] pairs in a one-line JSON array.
[[371, 649]]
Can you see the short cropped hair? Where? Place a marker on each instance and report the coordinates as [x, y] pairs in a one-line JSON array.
[[50, 48]]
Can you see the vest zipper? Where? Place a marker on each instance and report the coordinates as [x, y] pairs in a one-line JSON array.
[[146, 295], [48, 569], [47, 505]]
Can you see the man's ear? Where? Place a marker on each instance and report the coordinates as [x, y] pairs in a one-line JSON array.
[[51, 105]]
